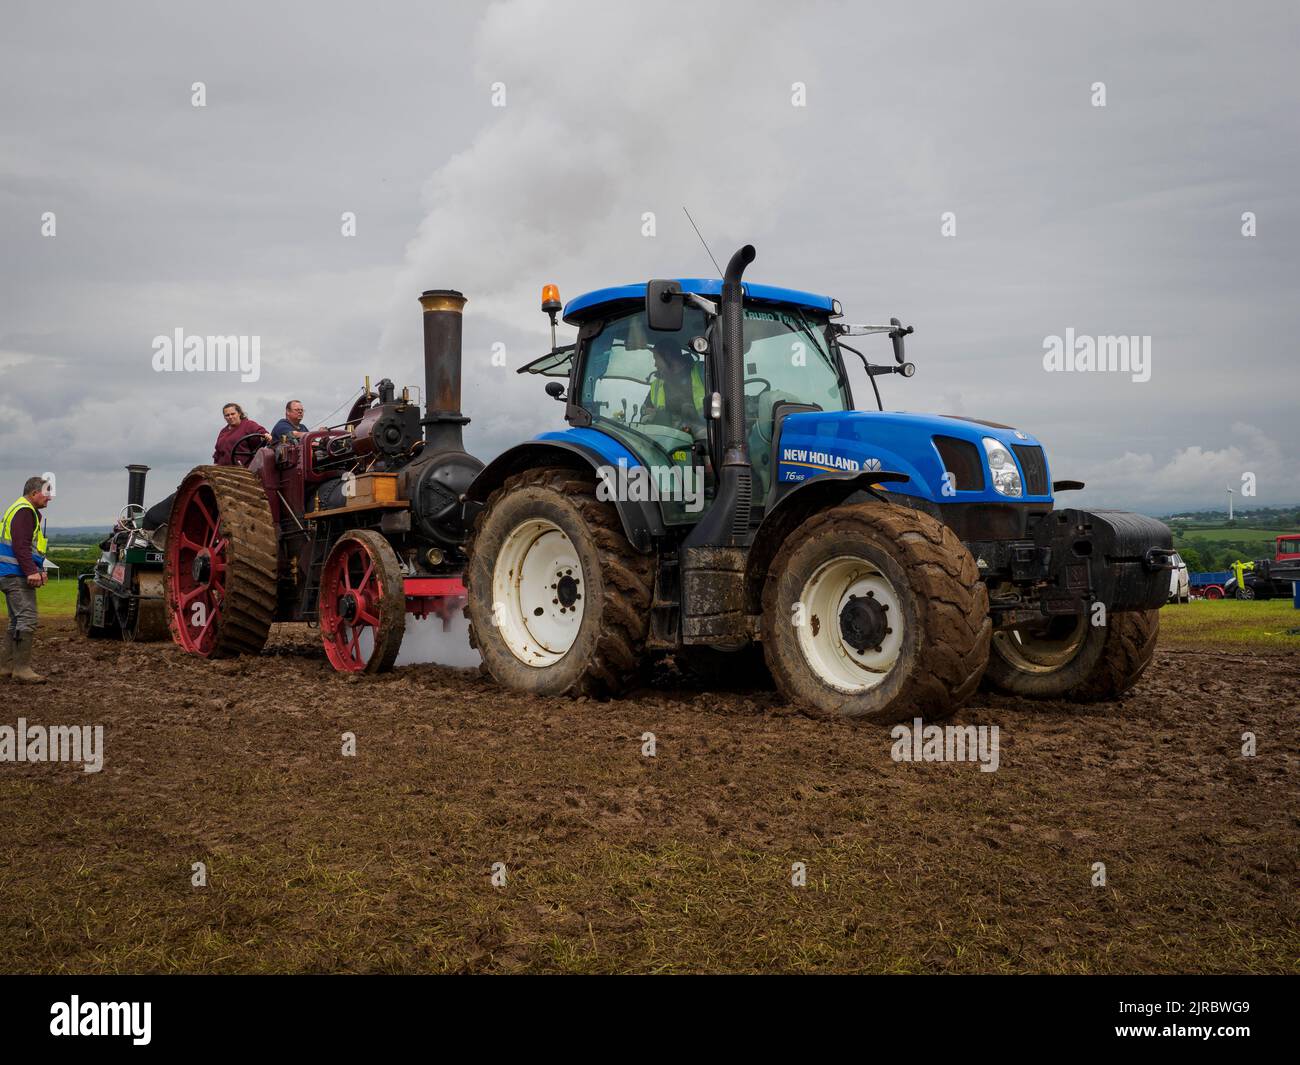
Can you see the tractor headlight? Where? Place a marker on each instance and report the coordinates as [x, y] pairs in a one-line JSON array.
[[1006, 477]]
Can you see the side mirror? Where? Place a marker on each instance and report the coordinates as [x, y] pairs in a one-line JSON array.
[[554, 389], [664, 306], [897, 337]]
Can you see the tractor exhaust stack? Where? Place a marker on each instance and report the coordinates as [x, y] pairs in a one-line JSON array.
[[443, 313], [135, 484], [713, 555], [727, 522]]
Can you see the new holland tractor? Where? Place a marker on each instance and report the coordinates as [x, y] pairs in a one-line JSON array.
[[717, 492], [716, 497]]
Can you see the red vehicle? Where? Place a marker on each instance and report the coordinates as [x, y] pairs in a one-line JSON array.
[[350, 527], [1287, 548]]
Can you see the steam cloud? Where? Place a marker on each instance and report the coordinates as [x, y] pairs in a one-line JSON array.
[[599, 128]]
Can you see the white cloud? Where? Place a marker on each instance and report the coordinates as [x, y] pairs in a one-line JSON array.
[[1147, 483]]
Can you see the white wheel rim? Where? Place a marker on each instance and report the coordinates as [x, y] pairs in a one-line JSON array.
[[1039, 654], [827, 652], [538, 593]]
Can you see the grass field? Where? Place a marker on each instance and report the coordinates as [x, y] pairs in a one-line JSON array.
[[58, 599], [1230, 624], [1223, 534]]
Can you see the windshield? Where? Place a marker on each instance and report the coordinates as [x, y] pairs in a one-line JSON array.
[[786, 359], [649, 389]]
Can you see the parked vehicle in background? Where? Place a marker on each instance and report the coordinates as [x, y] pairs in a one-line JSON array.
[[1209, 585], [1263, 578], [1180, 581], [1286, 558]]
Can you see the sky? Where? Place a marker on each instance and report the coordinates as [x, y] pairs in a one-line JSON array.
[[948, 163]]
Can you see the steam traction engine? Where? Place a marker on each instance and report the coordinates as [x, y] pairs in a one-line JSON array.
[[351, 527]]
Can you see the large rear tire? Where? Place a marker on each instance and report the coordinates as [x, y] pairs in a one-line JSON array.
[[559, 601], [875, 611], [1074, 660], [220, 571]]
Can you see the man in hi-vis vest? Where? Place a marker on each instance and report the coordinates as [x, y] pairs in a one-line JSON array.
[[22, 571], [677, 389]]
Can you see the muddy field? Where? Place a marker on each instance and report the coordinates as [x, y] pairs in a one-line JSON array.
[[619, 862]]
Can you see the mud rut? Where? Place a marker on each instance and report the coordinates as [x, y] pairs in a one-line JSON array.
[[618, 862]]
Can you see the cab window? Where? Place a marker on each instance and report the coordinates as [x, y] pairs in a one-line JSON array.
[[787, 360], [650, 390]]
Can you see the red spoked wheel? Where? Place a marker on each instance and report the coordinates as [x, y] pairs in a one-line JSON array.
[[220, 572], [362, 604]]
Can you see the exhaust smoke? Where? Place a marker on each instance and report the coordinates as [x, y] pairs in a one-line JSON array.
[[581, 169], [427, 643]]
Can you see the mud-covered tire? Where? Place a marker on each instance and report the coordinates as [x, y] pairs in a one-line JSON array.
[[147, 617], [614, 585], [87, 592], [362, 598], [221, 512], [1109, 660], [931, 664]]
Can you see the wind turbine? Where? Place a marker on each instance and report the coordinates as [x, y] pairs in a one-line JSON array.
[[1230, 504]]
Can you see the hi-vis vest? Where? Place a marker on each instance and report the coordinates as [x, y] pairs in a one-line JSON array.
[[697, 389], [8, 563]]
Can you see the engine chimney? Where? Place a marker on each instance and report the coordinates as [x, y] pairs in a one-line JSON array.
[[135, 484], [443, 309]]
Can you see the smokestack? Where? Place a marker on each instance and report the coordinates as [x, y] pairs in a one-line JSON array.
[[726, 523], [443, 308], [135, 484]]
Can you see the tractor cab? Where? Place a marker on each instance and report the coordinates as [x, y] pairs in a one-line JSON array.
[[655, 385]]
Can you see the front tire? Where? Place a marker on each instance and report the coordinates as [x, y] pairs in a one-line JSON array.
[[559, 601], [84, 613], [362, 604], [877, 612], [1075, 660]]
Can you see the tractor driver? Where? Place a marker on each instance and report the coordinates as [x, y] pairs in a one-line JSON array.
[[677, 391], [290, 426], [238, 426]]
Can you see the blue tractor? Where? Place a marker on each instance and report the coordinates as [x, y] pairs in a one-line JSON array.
[[717, 497]]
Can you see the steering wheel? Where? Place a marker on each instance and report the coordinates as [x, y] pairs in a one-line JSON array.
[[250, 445], [132, 514], [767, 385]]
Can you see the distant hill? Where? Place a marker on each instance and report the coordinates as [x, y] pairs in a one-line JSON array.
[[1242, 517], [73, 533]]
